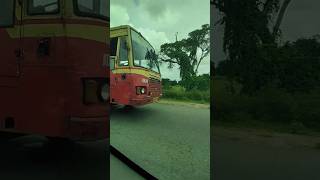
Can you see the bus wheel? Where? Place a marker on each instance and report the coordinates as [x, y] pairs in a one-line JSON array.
[[129, 107]]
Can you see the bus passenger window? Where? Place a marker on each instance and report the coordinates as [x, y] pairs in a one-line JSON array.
[[37, 7], [92, 8], [113, 46], [123, 53], [6, 13], [113, 53]]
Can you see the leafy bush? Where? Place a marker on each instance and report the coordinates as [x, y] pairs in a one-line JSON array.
[[180, 93], [270, 105]]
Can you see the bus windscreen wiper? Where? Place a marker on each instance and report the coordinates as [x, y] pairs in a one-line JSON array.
[[135, 167]]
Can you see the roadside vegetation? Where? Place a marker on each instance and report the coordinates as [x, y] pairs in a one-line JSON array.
[[200, 93], [265, 81], [270, 108]]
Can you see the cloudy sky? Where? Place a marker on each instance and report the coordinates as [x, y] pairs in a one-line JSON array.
[[159, 21], [301, 20]]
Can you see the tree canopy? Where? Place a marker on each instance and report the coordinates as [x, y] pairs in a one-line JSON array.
[[187, 53], [251, 40]]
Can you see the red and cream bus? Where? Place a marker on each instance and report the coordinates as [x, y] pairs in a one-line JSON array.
[[135, 74], [54, 79]]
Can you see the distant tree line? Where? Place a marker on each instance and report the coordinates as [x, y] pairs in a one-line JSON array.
[[294, 67]]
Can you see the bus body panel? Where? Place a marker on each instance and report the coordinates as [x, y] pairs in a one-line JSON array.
[[44, 93]]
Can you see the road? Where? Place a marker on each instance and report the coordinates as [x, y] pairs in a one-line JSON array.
[[264, 158], [169, 141], [30, 158], [119, 170]]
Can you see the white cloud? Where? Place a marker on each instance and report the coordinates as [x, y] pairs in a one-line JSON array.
[[119, 15]]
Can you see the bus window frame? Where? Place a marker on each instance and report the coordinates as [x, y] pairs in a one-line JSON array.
[[77, 12], [116, 55], [13, 17], [131, 39], [116, 49], [126, 38], [49, 13]]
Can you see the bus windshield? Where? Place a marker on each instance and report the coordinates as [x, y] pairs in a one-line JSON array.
[[143, 53]]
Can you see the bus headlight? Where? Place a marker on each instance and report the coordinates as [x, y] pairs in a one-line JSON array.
[[95, 90], [105, 92], [141, 90]]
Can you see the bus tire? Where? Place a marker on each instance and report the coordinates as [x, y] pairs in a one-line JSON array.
[[129, 107]]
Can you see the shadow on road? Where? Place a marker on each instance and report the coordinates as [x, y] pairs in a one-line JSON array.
[[141, 112], [31, 157]]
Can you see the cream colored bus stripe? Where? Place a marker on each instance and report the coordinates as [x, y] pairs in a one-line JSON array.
[[91, 32], [137, 71]]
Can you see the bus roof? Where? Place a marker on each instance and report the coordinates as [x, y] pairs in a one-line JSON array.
[[123, 27], [129, 27]]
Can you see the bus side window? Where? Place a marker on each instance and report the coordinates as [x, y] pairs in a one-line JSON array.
[[6, 13], [113, 53], [123, 53], [113, 46], [38, 7]]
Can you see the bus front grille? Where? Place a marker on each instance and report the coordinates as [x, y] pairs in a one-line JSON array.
[[154, 87]]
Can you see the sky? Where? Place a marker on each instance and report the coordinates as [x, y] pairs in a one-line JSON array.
[[159, 21], [300, 21]]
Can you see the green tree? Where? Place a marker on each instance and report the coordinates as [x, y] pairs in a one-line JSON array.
[[248, 41], [187, 53], [202, 82], [299, 65]]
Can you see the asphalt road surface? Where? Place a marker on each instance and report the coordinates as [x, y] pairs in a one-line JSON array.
[[32, 158], [265, 158], [169, 141]]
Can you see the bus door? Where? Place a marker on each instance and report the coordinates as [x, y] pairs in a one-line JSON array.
[[10, 41], [119, 82]]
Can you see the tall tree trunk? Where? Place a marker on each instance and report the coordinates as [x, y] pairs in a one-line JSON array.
[[280, 17]]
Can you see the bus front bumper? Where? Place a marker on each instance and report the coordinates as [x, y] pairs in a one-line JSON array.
[[88, 128], [143, 101]]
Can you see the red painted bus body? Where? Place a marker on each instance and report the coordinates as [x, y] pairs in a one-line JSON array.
[[53, 73], [131, 72]]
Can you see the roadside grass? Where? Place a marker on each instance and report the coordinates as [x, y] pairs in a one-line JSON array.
[[178, 93], [272, 109], [265, 128], [184, 103]]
